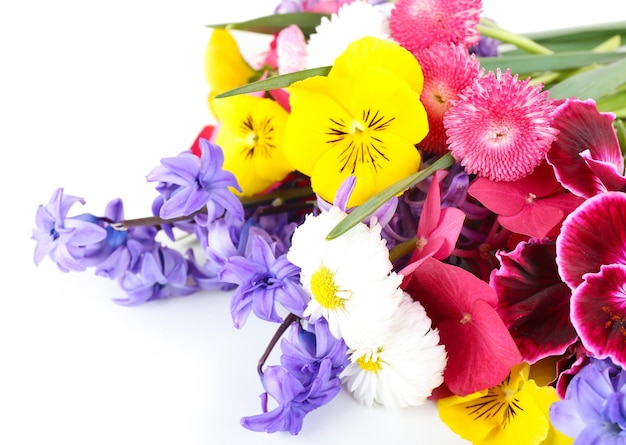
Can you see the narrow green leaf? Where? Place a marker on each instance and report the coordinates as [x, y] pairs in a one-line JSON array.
[[528, 63], [370, 206], [592, 84], [271, 24], [275, 82], [615, 103], [621, 135]]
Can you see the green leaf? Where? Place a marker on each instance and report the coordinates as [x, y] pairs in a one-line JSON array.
[[275, 82], [621, 135], [271, 24], [592, 84], [370, 206], [528, 63]]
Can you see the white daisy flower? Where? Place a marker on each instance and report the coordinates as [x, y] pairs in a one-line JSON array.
[[352, 22], [349, 277], [403, 367]]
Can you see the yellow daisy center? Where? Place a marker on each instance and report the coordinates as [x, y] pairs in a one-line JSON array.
[[324, 289], [366, 363]]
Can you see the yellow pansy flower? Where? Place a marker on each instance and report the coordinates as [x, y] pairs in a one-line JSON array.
[[362, 120], [225, 67], [251, 136], [514, 412]]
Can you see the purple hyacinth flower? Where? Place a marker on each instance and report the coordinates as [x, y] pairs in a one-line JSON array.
[[61, 238], [594, 408], [263, 280], [162, 273], [308, 378], [201, 183]]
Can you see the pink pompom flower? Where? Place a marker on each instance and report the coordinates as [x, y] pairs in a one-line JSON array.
[[500, 127]]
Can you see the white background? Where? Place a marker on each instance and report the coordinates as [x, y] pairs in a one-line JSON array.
[[92, 95]]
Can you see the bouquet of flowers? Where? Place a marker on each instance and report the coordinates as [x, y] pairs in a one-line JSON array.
[[428, 207]]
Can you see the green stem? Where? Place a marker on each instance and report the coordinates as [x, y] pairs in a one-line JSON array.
[[369, 207], [521, 42], [402, 249]]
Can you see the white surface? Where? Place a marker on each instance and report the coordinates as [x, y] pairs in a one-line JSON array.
[[92, 95]]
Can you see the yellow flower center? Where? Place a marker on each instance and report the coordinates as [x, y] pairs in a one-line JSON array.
[[500, 402], [366, 363], [362, 143], [258, 137], [324, 289]]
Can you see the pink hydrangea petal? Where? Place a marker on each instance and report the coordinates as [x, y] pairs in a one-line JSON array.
[[480, 349], [599, 312], [592, 235], [533, 301], [290, 50], [582, 127]]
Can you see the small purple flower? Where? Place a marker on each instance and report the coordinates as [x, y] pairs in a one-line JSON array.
[[163, 273], [308, 378], [61, 238], [263, 280], [594, 408], [201, 182]]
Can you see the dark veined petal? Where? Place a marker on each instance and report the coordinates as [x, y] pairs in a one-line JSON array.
[[592, 235], [599, 312], [533, 301]]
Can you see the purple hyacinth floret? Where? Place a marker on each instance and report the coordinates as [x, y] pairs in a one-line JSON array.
[[307, 379], [264, 279], [64, 239], [201, 182], [594, 408], [162, 273]]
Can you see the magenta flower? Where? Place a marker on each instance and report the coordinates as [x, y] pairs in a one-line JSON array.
[[442, 84], [499, 128], [586, 154], [417, 24], [593, 235], [599, 312], [480, 348], [534, 206], [438, 229], [533, 301]]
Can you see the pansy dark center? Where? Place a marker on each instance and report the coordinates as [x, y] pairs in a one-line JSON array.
[[499, 403], [361, 140], [258, 137]]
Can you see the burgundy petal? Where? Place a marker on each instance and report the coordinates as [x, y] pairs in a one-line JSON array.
[[599, 312], [592, 235], [533, 301], [582, 127]]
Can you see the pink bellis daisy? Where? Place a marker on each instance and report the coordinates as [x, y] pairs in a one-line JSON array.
[[417, 24], [499, 128], [442, 84]]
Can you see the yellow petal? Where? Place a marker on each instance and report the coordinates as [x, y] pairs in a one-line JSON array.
[[315, 103], [225, 67], [251, 135], [371, 52]]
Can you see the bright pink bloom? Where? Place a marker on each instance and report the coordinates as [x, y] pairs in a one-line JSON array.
[[533, 301], [290, 50], [438, 229], [534, 206], [417, 24], [599, 312], [480, 349], [205, 133], [500, 127], [442, 83], [586, 154], [591, 236]]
